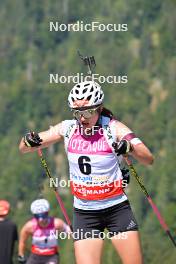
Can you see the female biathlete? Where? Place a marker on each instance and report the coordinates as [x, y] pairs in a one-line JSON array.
[[42, 228], [95, 176]]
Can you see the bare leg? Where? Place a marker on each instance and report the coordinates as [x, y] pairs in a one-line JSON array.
[[128, 247], [88, 251]]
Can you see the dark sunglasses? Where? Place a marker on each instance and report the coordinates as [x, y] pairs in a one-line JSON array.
[[42, 215], [87, 113]]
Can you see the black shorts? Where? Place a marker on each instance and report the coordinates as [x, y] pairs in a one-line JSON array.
[[38, 259], [92, 223]]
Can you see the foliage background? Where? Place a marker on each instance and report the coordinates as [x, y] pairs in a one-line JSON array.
[[146, 53]]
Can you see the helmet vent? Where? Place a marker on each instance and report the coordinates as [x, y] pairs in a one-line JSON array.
[[72, 99], [96, 94], [96, 100], [89, 97], [91, 90], [85, 90], [78, 85], [77, 91], [87, 84]]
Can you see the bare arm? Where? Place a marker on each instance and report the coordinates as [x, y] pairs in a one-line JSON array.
[[140, 152], [60, 225], [51, 136], [25, 232]]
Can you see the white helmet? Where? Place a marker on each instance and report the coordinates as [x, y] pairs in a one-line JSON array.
[[87, 93], [40, 206]]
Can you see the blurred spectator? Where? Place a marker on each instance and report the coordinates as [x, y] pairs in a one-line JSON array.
[[8, 234]]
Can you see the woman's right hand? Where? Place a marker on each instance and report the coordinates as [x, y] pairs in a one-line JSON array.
[[32, 139]]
